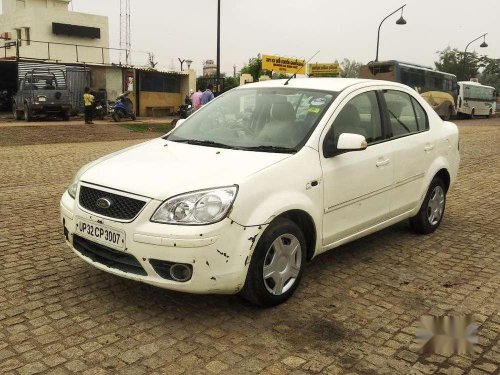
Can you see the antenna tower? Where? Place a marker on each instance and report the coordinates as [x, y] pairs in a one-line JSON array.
[[125, 40]]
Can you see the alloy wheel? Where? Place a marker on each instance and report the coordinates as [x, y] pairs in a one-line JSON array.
[[435, 207], [282, 264]]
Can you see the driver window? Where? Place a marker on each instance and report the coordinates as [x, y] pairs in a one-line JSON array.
[[361, 115]]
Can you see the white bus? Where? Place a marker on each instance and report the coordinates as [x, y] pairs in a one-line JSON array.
[[475, 99]]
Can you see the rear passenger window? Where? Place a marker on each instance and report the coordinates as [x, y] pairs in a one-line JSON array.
[[422, 121], [405, 114]]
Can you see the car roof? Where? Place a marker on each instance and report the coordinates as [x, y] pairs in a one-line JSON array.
[[328, 84]]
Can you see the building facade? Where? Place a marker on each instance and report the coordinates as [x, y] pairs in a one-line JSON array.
[[47, 30]]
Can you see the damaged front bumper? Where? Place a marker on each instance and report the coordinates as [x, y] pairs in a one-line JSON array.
[[218, 254]]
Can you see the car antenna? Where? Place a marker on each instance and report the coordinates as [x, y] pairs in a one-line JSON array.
[[305, 67]]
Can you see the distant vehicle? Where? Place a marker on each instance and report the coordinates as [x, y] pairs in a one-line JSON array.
[[42, 93], [246, 190], [123, 108], [475, 99], [439, 89]]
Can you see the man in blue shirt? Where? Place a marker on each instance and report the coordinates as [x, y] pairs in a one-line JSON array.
[[207, 95]]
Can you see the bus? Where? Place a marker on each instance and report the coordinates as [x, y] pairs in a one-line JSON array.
[[439, 89], [475, 99]]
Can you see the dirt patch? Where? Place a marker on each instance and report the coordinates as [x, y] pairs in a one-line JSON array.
[[74, 133]]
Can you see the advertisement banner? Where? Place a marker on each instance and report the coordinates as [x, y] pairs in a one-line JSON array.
[[323, 70], [283, 64]]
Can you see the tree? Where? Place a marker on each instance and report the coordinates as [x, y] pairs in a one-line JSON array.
[[254, 67], [350, 68], [452, 61], [491, 74]]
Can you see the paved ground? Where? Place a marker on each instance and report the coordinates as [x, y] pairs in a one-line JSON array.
[[356, 311]]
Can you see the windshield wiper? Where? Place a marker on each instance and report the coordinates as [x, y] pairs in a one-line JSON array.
[[277, 149], [203, 143]]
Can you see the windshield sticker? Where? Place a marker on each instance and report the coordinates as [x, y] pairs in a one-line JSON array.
[[319, 102], [314, 110]]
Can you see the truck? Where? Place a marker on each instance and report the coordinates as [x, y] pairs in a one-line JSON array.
[[42, 93]]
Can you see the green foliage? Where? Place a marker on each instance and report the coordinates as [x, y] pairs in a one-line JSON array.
[[491, 74], [350, 68], [152, 128], [254, 67], [452, 61], [231, 83]]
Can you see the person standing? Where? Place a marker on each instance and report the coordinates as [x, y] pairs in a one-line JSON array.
[[88, 100], [208, 95], [197, 99]]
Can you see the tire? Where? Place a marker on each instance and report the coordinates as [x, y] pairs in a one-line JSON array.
[[133, 117], [284, 271], [431, 212], [449, 113], [27, 114], [15, 112], [116, 117], [65, 116]]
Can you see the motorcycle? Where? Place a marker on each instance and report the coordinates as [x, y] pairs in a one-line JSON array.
[[185, 111], [123, 108]]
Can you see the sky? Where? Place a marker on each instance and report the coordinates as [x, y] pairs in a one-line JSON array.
[[293, 28]]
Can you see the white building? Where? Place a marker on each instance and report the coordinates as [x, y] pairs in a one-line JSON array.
[[49, 31]]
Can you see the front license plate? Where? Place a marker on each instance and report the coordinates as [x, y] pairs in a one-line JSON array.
[[100, 233]]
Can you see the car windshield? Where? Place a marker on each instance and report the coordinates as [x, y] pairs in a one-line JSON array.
[[260, 119]]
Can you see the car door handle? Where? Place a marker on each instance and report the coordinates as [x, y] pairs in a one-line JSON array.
[[382, 163], [428, 147]]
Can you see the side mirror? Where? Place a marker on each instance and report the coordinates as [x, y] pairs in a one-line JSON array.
[[179, 122], [346, 142], [351, 142]]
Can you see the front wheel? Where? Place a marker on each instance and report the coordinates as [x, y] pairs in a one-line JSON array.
[[432, 210], [116, 117], [133, 117], [15, 112], [277, 264]]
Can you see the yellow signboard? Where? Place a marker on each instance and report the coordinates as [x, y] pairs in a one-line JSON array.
[[283, 64], [323, 70]]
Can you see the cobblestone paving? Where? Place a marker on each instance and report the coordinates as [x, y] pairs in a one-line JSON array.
[[356, 311]]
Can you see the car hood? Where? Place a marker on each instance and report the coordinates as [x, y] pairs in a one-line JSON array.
[[160, 169]]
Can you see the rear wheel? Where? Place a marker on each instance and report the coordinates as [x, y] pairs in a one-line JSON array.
[[432, 210], [277, 264], [15, 112], [116, 117], [133, 117], [65, 116], [448, 114], [27, 114]]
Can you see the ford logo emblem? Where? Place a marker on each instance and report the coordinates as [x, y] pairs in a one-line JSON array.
[[103, 203]]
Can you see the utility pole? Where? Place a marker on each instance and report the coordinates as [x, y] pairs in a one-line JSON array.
[[234, 70], [125, 31]]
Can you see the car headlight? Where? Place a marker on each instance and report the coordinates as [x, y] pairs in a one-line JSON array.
[[197, 208], [72, 188]]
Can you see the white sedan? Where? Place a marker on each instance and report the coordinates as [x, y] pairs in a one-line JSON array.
[[242, 194]]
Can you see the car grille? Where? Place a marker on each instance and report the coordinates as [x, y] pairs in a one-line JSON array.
[[108, 257], [122, 208]]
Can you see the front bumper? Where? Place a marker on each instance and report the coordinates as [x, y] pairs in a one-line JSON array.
[[219, 253]]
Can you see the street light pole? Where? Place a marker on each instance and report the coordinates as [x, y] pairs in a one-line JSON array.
[[400, 21], [218, 47], [483, 45]]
